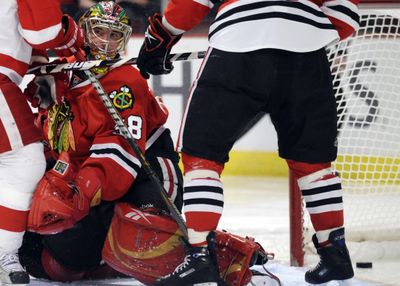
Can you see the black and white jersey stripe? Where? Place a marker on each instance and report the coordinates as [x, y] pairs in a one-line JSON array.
[[298, 26], [344, 11], [116, 153]]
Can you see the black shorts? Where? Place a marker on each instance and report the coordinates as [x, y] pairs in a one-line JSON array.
[[234, 88]]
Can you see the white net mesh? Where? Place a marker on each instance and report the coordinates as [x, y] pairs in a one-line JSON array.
[[366, 70]]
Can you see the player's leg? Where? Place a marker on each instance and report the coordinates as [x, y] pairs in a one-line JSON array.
[[228, 94], [19, 173], [321, 189], [306, 126], [22, 164]]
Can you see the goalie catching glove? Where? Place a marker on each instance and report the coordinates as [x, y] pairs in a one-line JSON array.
[[154, 53], [61, 198]]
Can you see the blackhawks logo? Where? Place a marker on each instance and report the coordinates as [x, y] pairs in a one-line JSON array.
[[122, 98]]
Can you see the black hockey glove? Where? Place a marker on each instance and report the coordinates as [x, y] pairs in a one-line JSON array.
[[155, 50], [44, 90]]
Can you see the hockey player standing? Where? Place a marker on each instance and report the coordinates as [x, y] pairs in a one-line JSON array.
[[24, 24], [264, 56]]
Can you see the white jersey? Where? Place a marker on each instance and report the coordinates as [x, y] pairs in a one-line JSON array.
[[248, 25], [23, 28]]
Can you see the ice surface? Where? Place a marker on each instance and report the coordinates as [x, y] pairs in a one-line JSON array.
[[289, 276]]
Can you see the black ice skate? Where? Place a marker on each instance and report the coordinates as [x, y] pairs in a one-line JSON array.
[[198, 269], [11, 271], [335, 263]]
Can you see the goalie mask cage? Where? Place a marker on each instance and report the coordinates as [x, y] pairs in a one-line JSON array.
[[366, 78]]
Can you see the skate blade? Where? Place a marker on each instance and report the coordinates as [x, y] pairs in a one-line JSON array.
[[206, 284], [347, 282]]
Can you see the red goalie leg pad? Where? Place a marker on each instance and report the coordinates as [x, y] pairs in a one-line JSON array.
[[143, 244], [104, 271], [235, 255], [57, 272], [148, 245]]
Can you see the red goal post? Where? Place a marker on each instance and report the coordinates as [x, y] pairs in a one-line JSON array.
[[366, 78]]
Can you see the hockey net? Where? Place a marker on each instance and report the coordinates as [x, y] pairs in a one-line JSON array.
[[366, 77]]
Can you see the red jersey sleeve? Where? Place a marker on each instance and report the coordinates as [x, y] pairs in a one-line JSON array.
[[112, 159], [343, 14], [40, 22], [183, 15]]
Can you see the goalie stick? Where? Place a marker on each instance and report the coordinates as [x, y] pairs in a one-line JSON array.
[[87, 65], [132, 142]]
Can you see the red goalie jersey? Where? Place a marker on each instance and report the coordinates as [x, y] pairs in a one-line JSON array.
[[298, 26], [82, 126]]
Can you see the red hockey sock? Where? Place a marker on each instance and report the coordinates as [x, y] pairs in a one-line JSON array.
[[322, 192], [203, 197]]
